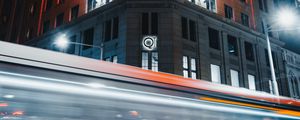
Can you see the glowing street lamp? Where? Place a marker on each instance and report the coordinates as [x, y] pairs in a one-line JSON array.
[[285, 19], [63, 42]]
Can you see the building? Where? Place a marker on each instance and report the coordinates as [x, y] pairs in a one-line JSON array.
[[19, 20], [218, 41], [22, 21], [292, 66]]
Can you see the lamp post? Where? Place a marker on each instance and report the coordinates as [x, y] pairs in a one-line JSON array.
[[63, 43], [274, 81], [285, 18]]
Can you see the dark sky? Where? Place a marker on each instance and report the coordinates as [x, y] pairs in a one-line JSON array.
[[291, 39]]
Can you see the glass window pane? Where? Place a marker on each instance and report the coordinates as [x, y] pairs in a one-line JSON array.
[[185, 62], [194, 75], [234, 78], [154, 61], [251, 80], [145, 60], [193, 64], [185, 73], [215, 73]]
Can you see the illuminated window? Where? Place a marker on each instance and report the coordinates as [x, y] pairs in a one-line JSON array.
[[189, 67], [152, 63], [208, 4], [145, 60], [193, 68], [215, 73], [234, 78], [185, 66], [251, 81]]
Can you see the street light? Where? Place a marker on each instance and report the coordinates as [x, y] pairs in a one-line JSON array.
[[286, 18], [63, 42]]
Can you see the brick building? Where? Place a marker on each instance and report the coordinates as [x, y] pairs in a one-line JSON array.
[[19, 19]]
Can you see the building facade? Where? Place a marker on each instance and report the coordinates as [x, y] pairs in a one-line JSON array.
[[19, 20], [217, 41], [292, 66]]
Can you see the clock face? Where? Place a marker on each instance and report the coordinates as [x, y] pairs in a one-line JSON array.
[[149, 43]]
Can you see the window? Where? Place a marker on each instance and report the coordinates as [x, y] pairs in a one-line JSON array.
[[154, 61], [6, 10], [145, 60], [46, 26], [266, 6], [150, 64], [111, 29], [215, 73], [234, 78], [193, 68], [251, 80], [267, 58], [189, 67], [185, 66], [192, 26], [184, 27], [232, 45], [145, 23], [260, 4], [60, 1], [214, 38], [49, 4], [188, 29], [228, 12], [151, 25], [74, 12], [91, 5], [205, 3], [115, 27], [154, 24], [245, 19], [88, 38], [71, 48], [249, 51], [59, 19], [107, 30]]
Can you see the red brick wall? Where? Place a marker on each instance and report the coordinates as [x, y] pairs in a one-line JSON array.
[[238, 8], [62, 8]]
